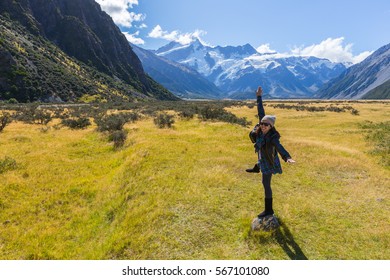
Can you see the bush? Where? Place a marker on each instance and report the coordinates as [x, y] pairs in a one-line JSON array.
[[186, 115], [7, 164], [42, 117], [114, 122], [131, 117], [79, 123], [220, 114], [5, 119], [330, 108], [355, 112], [110, 123], [31, 114], [164, 120], [119, 138], [12, 101]]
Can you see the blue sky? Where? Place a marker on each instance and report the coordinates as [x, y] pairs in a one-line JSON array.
[[341, 30]]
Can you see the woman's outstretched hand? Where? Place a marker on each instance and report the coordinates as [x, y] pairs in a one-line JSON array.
[[259, 91], [290, 160]]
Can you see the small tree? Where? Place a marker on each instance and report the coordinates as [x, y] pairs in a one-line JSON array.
[[5, 119], [42, 117], [164, 120], [76, 123], [118, 137], [112, 122]]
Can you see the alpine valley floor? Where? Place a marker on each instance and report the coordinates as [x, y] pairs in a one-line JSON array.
[[183, 193]]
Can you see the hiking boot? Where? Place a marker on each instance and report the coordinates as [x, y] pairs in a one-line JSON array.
[[268, 208], [255, 169]]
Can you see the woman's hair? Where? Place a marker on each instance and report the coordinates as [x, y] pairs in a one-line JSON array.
[[272, 131]]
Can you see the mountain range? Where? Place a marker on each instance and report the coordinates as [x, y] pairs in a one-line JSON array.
[[182, 80], [237, 71], [68, 50]]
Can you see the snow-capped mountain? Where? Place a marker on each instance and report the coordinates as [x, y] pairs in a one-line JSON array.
[[180, 79], [368, 79], [238, 71]]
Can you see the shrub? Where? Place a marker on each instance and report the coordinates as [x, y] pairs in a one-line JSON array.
[[79, 123], [164, 120], [355, 112], [5, 119], [12, 101], [7, 164], [220, 114], [330, 108], [42, 117], [186, 115], [131, 117], [110, 123], [118, 137], [31, 114]]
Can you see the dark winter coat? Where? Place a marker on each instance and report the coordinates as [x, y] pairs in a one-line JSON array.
[[268, 145]]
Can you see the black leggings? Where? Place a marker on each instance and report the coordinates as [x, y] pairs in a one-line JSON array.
[[266, 180]]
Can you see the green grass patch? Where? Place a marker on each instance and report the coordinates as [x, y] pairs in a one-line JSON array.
[[7, 164], [378, 135]]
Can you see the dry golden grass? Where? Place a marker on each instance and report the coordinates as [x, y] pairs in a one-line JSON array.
[[183, 193]]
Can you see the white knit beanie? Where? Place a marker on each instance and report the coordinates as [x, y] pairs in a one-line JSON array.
[[269, 119]]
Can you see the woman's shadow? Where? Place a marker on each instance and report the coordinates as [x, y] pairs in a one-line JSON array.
[[286, 240]]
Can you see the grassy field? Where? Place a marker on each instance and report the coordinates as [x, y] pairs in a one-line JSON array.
[[183, 193]]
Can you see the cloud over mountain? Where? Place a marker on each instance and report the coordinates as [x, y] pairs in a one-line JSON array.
[[133, 38], [332, 49], [176, 36], [122, 12], [119, 11]]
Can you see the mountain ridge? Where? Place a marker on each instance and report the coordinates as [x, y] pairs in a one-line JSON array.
[[237, 71], [367, 79], [184, 81], [82, 31]]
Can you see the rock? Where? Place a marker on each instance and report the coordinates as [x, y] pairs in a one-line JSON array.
[[267, 223]]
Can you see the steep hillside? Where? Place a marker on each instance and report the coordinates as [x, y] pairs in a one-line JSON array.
[[368, 79], [380, 92], [80, 30]]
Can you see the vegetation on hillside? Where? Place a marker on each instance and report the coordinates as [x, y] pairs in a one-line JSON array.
[[380, 92], [34, 69], [41, 71]]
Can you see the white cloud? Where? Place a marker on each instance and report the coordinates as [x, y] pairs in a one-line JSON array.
[[332, 49], [265, 48], [177, 36], [362, 56], [133, 39], [119, 11], [142, 26]]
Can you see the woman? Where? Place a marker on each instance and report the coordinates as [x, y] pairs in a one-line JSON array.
[[267, 146]]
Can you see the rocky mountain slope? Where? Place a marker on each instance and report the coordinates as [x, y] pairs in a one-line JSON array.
[[70, 39], [368, 79], [180, 79]]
